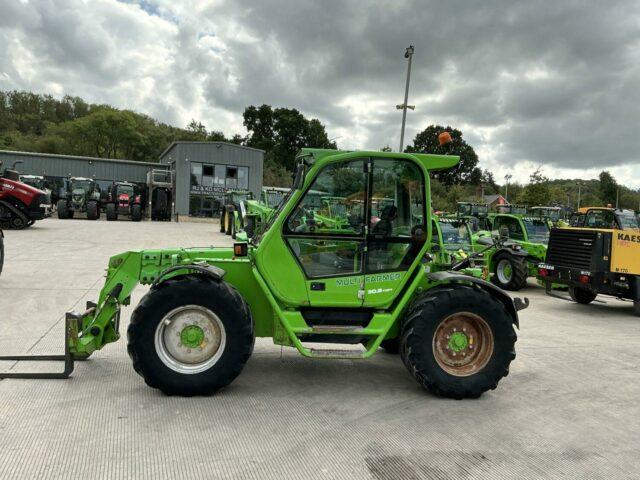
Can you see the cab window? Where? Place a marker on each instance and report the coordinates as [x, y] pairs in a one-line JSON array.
[[398, 232], [511, 226]]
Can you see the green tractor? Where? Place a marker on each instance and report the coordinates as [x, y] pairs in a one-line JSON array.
[[80, 195], [453, 241], [259, 211], [552, 215], [476, 214], [519, 257], [307, 286], [233, 211]]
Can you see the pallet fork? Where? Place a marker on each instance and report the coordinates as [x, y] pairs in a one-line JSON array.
[[72, 321]]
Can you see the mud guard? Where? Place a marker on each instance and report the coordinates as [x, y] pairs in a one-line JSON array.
[[513, 305], [205, 269]]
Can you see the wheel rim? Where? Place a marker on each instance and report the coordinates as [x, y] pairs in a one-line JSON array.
[[190, 339], [226, 222], [463, 344], [504, 271]]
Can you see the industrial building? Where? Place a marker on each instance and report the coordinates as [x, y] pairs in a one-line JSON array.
[[205, 170], [201, 171]]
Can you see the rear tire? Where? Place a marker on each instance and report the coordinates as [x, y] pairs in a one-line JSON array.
[[448, 361], [136, 213], [250, 227], [510, 272], [93, 210], [222, 220], [636, 303], [582, 295], [228, 221], [111, 211], [224, 329], [63, 209]]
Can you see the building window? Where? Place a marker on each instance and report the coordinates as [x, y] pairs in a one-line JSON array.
[[209, 183], [243, 178], [232, 177], [221, 173]]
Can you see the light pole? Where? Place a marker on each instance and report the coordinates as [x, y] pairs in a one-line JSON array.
[[507, 177], [408, 54], [579, 189]]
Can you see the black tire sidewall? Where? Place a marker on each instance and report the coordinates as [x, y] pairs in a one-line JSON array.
[[174, 294], [515, 283], [420, 358]]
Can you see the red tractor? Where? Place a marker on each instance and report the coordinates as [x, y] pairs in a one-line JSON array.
[[21, 204], [123, 200]]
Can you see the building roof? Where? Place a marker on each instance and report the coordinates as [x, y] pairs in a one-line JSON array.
[[182, 142], [492, 198], [77, 157]]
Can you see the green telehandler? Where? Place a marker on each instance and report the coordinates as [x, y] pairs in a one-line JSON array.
[[258, 212], [518, 258], [305, 285]]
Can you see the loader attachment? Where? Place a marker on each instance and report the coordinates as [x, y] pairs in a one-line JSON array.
[[70, 332], [98, 325]]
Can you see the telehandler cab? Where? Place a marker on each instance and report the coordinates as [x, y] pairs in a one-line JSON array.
[[303, 284]]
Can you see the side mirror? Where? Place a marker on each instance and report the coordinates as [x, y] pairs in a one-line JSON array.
[[301, 171]]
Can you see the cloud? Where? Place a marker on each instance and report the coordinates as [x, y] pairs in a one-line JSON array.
[[529, 83]]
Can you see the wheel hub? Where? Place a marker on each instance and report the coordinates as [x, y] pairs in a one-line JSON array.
[[463, 344], [458, 341], [192, 336], [190, 339]]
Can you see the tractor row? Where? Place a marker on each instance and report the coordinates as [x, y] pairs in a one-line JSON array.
[[84, 196]]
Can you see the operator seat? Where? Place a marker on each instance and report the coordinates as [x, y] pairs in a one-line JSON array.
[[384, 227]]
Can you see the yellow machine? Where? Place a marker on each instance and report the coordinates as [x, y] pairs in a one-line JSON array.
[[598, 254]]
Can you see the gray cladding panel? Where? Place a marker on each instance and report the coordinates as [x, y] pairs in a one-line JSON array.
[[61, 166]]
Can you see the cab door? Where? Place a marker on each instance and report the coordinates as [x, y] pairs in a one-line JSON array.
[[398, 233], [329, 246]]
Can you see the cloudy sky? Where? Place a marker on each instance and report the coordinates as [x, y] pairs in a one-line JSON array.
[[553, 83]]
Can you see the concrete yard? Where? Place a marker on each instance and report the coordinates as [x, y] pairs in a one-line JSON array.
[[568, 409]]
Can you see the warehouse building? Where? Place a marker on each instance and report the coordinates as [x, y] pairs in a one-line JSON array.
[[202, 172], [205, 170]]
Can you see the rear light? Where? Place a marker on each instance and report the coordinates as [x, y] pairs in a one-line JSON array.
[[240, 249], [584, 279], [543, 272]]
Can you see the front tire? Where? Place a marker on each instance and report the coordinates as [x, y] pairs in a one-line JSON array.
[[510, 272], [191, 335], [136, 213], [458, 342], [93, 211], [63, 209], [582, 295], [112, 213]]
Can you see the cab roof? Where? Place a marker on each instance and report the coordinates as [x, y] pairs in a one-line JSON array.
[[430, 161]]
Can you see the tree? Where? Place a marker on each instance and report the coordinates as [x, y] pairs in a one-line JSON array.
[[608, 188], [282, 132], [537, 191], [466, 171]]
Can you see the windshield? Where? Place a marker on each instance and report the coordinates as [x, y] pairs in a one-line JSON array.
[[274, 198], [125, 189], [537, 230], [80, 185], [627, 220], [34, 182], [455, 235]]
